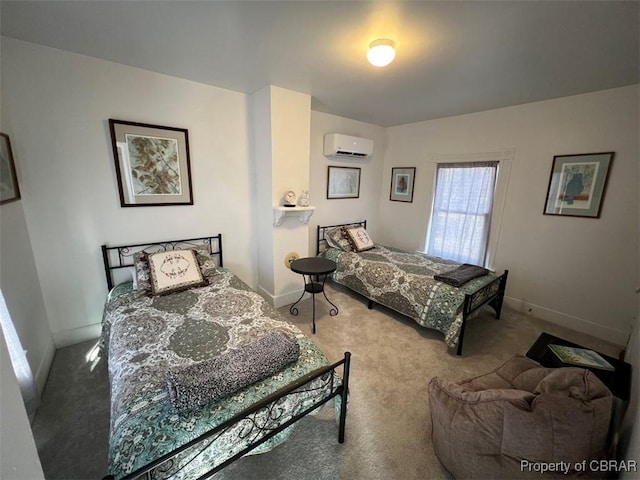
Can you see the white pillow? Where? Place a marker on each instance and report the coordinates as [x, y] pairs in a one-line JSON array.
[[359, 239], [134, 277]]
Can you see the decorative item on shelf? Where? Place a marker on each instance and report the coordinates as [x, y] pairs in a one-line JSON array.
[[289, 199], [303, 201]]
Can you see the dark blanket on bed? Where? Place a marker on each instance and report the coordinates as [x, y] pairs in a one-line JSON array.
[[461, 275], [197, 385]]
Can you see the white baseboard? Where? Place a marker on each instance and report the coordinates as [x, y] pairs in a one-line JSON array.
[[77, 335], [603, 332], [42, 373], [280, 300]]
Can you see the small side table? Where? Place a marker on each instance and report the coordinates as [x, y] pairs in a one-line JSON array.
[[313, 267], [618, 381]]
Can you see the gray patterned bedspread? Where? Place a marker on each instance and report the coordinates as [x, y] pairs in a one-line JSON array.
[[403, 281], [146, 336]]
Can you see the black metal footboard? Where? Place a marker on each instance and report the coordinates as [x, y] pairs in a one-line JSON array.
[[491, 294], [249, 426]]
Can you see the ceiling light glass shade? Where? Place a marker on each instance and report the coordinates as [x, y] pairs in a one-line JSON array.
[[381, 52]]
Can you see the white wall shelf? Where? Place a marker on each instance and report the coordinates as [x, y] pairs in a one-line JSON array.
[[279, 213]]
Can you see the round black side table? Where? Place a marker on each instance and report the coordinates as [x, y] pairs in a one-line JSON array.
[[313, 267]]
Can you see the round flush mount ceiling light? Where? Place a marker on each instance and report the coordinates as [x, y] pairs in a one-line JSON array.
[[381, 52]]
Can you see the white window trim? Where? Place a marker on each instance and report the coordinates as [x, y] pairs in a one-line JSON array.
[[504, 158]]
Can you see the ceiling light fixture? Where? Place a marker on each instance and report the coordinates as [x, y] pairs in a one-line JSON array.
[[381, 52]]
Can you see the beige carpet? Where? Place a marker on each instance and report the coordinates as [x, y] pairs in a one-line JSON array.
[[393, 359], [388, 424]]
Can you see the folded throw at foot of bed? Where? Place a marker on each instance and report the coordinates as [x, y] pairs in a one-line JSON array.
[[461, 275], [196, 385]]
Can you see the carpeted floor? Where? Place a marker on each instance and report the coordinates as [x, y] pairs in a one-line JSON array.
[[388, 424]]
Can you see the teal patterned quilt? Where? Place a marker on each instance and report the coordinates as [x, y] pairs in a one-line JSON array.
[[146, 336], [403, 281]]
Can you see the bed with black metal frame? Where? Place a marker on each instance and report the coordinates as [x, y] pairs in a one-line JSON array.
[[248, 425], [491, 293]]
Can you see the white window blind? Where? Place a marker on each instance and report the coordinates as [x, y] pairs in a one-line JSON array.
[[461, 216]]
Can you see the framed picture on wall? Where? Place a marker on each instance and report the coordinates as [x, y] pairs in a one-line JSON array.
[[9, 190], [152, 164], [402, 182], [343, 182], [577, 184]]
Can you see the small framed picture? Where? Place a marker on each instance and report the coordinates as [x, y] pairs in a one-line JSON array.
[[9, 190], [402, 182], [152, 164], [343, 182], [577, 184]]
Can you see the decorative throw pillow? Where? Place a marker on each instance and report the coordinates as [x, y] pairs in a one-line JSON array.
[[360, 239], [337, 238], [174, 270], [141, 265], [206, 261]]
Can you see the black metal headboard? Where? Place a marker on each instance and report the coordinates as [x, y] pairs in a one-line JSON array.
[[322, 232], [121, 256]]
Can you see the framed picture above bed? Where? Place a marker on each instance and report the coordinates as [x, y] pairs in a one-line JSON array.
[[402, 182], [343, 182], [9, 190], [152, 164], [577, 184]]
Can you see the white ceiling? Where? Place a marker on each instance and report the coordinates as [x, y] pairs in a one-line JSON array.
[[452, 57]]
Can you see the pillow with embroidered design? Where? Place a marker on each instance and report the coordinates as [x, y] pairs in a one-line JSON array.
[[173, 271], [359, 239]]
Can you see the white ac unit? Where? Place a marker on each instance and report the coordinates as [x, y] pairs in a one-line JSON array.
[[343, 146]]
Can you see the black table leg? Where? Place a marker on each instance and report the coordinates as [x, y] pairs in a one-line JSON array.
[[334, 311], [313, 288], [293, 310]]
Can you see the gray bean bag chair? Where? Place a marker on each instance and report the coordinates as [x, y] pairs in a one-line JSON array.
[[512, 421]]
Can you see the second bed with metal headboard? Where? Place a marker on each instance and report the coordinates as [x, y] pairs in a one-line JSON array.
[[404, 281]]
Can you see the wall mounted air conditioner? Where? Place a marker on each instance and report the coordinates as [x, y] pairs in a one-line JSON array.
[[338, 145]]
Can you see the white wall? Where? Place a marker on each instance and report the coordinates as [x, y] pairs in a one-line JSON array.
[[335, 211], [580, 272], [59, 104], [21, 288], [18, 456], [281, 126]]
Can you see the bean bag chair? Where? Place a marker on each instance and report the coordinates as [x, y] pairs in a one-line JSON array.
[[521, 421]]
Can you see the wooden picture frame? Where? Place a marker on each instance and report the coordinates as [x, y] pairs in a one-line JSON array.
[[402, 182], [152, 164], [9, 189], [343, 182], [577, 184]]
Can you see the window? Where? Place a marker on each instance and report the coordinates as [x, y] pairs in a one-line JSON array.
[[461, 215]]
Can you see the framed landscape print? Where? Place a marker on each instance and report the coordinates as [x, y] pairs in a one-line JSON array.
[[9, 190], [577, 184], [152, 164], [402, 182], [343, 182]]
